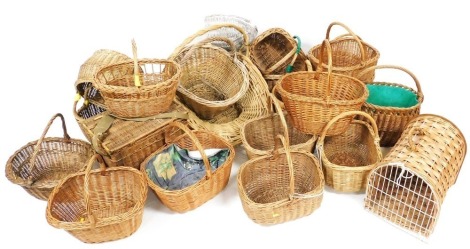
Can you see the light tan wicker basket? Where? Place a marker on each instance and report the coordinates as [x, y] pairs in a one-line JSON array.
[[208, 187], [350, 54], [99, 205], [212, 79], [138, 88], [391, 121], [259, 134], [235, 36], [312, 99], [40, 165], [348, 158], [408, 187], [280, 187]]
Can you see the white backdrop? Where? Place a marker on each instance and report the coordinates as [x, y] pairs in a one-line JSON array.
[[43, 43]]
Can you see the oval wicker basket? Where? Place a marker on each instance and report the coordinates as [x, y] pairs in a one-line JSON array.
[[348, 158], [40, 165], [99, 205], [212, 80], [139, 88], [312, 99], [390, 120], [208, 187], [350, 54], [280, 187], [259, 134]]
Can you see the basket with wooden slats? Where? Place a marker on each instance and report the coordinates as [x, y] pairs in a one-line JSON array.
[[259, 134], [409, 185], [312, 99], [392, 117], [40, 165], [195, 195], [350, 54], [348, 158], [124, 141], [280, 187], [99, 205]]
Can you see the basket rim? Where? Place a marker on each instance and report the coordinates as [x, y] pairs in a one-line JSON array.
[[266, 152], [77, 225], [392, 108], [348, 68], [304, 98], [102, 87], [179, 192], [226, 102], [12, 177], [317, 191]]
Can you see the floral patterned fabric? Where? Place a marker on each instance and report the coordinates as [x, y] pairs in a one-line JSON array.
[[174, 169]]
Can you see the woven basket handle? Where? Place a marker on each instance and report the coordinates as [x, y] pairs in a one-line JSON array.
[[415, 132], [201, 32], [196, 142], [326, 44], [86, 185], [32, 159], [371, 120], [272, 100], [285, 144], [351, 33], [137, 80], [292, 54], [418, 85], [208, 41]]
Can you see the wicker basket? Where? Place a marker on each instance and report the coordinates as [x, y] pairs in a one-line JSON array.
[[125, 141], [235, 36], [251, 105], [89, 69], [280, 187], [409, 185], [391, 121], [99, 205], [350, 55], [212, 79], [276, 52], [312, 99], [259, 134], [138, 88], [193, 196], [40, 165], [348, 158]]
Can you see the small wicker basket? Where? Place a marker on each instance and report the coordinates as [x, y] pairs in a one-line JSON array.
[[40, 165], [348, 158], [208, 187], [280, 187], [235, 36], [99, 205]]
